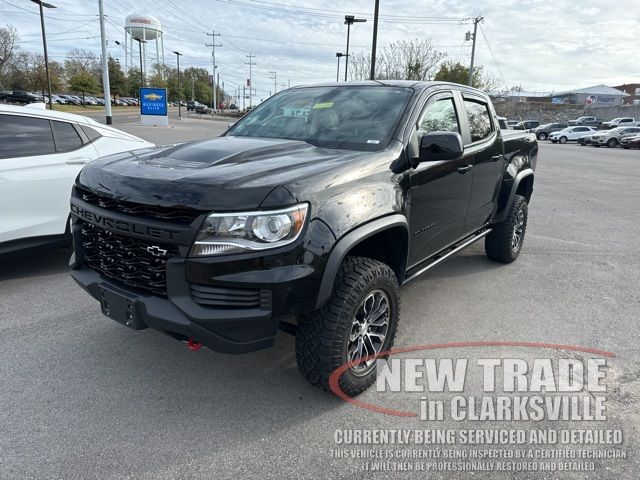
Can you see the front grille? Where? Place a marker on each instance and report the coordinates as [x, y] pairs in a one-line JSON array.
[[219, 297], [133, 262], [175, 214]]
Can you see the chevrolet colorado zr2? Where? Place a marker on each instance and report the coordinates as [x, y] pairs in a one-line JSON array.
[[307, 215]]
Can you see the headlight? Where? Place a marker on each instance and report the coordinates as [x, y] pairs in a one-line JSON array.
[[228, 233]]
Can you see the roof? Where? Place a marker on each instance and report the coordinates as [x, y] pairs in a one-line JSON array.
[[601, 89], [35, 111]]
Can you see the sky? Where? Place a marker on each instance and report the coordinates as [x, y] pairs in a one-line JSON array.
[[541, 45]]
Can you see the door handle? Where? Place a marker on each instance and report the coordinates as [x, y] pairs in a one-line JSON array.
[[464, 169], [496, 158], [78, 161]]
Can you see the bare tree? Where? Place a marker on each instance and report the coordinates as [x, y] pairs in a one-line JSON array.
[[405, 60], [8, 45], [81, 61]]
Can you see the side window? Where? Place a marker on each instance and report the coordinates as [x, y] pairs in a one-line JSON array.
[[440, 116], [25, 136], [479, 120], [91, 134], [66, 136]]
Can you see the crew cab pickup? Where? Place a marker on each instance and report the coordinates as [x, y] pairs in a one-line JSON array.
[[307, 215], [20, 96]]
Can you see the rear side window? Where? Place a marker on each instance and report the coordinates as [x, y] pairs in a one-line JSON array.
[[66, 136], [479, 120], [25, 136], [91, 134]]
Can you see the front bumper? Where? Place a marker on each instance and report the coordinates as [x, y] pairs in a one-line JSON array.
[[231, 304]]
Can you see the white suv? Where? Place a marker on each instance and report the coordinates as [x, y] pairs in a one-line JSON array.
[[41, 153], [570, 134]]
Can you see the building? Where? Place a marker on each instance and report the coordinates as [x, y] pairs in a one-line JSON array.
[[596, 96], [633, 90]]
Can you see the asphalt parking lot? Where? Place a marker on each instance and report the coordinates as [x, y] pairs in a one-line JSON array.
[[83, 397]]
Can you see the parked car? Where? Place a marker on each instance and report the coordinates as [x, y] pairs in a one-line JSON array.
[[57, 99], [542, 132], [502, 122], [570, 134], [71, 99], [526, 125], [293, 242], [512, 123], [618, 122], [585, 121], [201, 108], [233, 106], [611, 138], [41, 152], [586, 139], [630, 142], [21, 96]]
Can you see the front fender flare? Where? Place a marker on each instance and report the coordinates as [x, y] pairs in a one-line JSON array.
[[346, 243]]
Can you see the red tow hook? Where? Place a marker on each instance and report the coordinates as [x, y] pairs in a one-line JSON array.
[[193, 345]]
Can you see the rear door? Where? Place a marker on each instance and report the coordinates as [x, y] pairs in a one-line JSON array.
[[39, 160], [484, 145], [440, 190]]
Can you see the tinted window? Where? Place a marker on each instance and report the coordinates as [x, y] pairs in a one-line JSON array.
[[479, 120], [90, 133], [440, 116], [66, 136], [24, 136], [362, 118]]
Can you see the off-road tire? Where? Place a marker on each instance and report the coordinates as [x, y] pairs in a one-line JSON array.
[[499, 243], [322, 336]]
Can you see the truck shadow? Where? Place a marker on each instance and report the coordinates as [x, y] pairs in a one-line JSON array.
[[34, 262]]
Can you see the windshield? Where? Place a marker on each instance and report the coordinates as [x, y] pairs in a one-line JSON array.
[[355, 118]]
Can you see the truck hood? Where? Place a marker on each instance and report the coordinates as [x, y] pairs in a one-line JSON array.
[[225, 173]]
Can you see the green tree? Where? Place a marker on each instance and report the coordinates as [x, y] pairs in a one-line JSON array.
[[133, 82], [117, 78], [458, 73], [84, 82]]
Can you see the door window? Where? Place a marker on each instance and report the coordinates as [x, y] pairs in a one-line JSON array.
[[479, 120], [66, 136], [440, 116], [25, 136]]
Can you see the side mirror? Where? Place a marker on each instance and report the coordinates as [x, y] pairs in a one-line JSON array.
[[436, 146]]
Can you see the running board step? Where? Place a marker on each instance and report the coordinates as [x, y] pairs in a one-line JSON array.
[[443, 255]]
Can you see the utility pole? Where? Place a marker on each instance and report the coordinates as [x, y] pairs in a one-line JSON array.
[[375, 40], [472, 36], [274, 77], [44, 45], [251, 56], [105, 68], [213, 35], [193, 87]]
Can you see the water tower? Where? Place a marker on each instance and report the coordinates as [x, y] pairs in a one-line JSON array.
[[145, 28]]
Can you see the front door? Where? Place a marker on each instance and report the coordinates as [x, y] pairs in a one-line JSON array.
[[440, 190]]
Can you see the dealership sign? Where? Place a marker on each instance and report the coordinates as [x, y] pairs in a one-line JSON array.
[[600, 100], [153, 106]]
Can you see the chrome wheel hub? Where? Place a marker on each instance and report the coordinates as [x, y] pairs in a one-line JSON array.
[[518, 231], [368, 330]]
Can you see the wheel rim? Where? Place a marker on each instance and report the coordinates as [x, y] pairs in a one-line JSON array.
[[542, 136], [368, 331], [563, 140], [518, 231]]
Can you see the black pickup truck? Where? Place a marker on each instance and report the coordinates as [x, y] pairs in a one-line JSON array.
[[20, 96], [307, 215]]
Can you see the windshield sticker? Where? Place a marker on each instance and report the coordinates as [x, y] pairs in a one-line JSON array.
[[323, 105], [375, 142]]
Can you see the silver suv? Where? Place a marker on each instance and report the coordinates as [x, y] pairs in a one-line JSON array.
[[611, 138]]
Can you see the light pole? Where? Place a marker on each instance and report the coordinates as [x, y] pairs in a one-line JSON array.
[[179, 91], [374, 43], [44, 44], [339, 56], [140, 42], [348, 21], [106, 86]]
